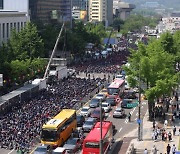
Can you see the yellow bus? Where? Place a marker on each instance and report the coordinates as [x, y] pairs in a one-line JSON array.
[[57, 130]]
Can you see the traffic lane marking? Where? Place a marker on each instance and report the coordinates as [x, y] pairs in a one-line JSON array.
[[11, 151], [120, 129]]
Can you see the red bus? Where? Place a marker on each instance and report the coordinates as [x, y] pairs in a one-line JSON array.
[[91, 144], [116, 88]]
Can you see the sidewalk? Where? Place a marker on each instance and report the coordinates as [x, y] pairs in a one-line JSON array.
[[147, 138]]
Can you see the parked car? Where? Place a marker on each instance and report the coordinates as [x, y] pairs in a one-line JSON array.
[[111, 100], [85, 111], [101, 96], [73, 145], [80, 120], [119, 113], [89, 124], [96, 113], [59, 150], [106, 106], [43, 149], [94, 103]]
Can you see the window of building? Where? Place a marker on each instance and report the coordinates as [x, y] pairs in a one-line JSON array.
[[7, 30], [11, 26], [15, 25], [18, 26], [1, 4], [3, 29], [21, 25]]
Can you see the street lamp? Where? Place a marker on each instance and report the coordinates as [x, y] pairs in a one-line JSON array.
[[101, 140], [139, 110]]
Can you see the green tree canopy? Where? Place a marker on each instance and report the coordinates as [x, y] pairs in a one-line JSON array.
[[27, 43]]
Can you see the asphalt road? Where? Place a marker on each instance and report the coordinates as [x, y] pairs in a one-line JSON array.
[[122, 125]]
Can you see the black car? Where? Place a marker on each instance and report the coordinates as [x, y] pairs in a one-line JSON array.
[[111, 100], [130, 94], [80, 120]]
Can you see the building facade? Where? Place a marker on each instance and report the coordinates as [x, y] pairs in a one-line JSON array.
[[46, 10], [10, 5], [122, 9], [12, 17], [11, 21], [101, 10]]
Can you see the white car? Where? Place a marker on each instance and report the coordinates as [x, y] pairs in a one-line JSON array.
[[119, 113], [106, 107], [101, 96], [119, 77], [85, 111]]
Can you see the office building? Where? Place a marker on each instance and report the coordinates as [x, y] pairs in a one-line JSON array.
[[121, 9], [101, 10], [48, 10], [12, 17]]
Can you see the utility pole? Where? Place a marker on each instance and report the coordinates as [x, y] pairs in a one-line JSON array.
[[101, 140], [139, 111]]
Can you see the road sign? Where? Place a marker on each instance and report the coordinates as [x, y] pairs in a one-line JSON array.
[[130, 105], [138, 121]]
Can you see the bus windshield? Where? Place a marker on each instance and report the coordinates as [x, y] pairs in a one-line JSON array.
[[49, 135], [92, 145], [112, 91]]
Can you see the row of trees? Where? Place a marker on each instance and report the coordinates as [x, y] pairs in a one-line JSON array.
[[156, 65], [20, 57], [134, 23], [73, 40]]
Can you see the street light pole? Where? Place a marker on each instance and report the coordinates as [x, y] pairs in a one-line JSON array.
[[101, 140], [139, 110]]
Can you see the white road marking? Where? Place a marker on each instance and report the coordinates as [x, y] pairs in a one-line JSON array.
[[132, 111], [120, 129], [135, 119], [126, 121], [142, 106], [11, 151]]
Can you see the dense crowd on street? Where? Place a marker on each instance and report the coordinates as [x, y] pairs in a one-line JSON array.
[[111, 64], [20, 128]]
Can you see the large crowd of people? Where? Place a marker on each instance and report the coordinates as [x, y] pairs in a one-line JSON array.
[[20, 128], [111, 64]]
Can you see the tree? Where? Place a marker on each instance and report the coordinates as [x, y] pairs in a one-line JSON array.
[[26, 44], [155, 66]]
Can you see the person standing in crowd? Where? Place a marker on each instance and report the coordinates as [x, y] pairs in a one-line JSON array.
[[145, 151], [173, 149], [174, 130], [168, 149]]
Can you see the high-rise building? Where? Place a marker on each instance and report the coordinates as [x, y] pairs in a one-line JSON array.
[[101, 10], [48, 10]]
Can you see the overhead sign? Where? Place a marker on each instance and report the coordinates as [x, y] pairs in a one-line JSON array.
[[1, 79]]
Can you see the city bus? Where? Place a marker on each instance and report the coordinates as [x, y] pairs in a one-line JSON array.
[[57, 130], [91, 144], [116, 89]]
